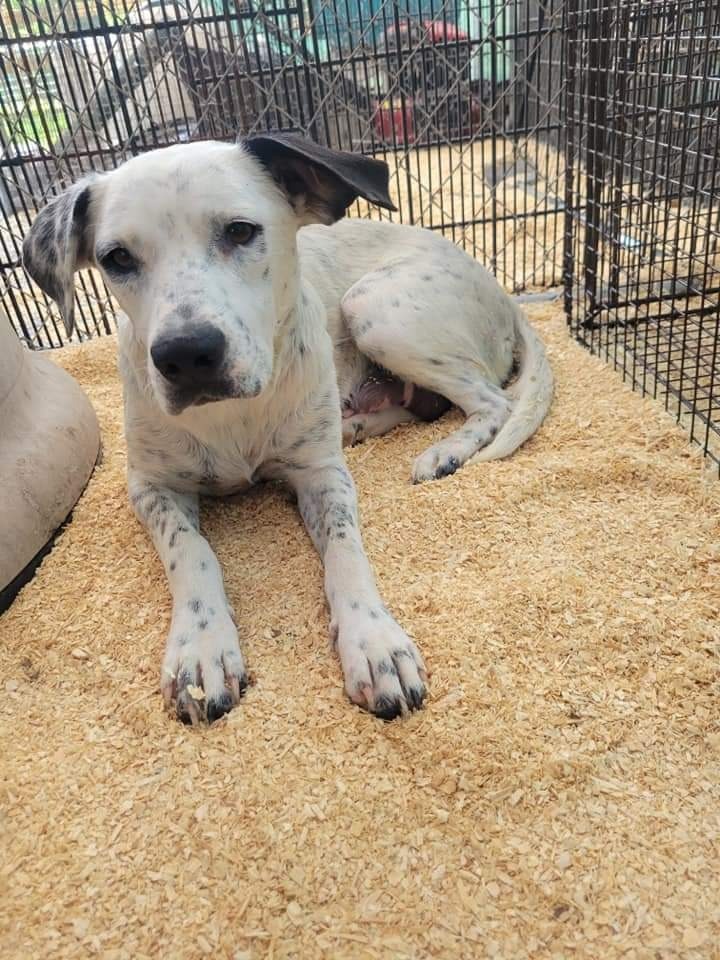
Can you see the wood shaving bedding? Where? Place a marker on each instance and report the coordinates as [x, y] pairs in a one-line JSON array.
[[559, 796]]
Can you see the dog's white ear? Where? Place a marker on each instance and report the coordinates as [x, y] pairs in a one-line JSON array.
[[319, 182], [59, 243]]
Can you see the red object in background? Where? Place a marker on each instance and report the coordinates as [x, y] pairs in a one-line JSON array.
[[388, 122], [435, 31], [439, 31]]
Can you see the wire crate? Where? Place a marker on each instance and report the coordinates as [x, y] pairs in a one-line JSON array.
[[567, 144]]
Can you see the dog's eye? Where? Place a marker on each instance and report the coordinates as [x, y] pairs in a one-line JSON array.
[[240, 232], [119, 260]]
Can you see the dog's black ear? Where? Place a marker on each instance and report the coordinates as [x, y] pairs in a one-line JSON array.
[[320, 183], [59, 243]]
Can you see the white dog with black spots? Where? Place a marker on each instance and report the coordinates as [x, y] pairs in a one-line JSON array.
[[251, 349]]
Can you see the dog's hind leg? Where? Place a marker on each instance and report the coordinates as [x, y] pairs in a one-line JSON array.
[[430, 339], [203, 669], [362, 426], [486, 410]]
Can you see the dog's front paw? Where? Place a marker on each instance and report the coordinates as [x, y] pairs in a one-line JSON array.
[[384, 672], [203, 671]]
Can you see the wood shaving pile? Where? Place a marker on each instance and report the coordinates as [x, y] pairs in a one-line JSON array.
[[559, 796]]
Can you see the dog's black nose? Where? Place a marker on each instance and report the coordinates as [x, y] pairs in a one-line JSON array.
[[190, 359]]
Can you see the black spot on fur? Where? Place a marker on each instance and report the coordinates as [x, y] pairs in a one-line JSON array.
[[195, 605], [81, 207], [298, 345], [386, 667], [45, 239]]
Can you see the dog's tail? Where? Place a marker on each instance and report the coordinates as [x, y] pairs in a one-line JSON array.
[[530, 393]]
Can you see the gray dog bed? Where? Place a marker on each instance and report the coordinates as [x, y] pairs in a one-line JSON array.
[[49, 443]]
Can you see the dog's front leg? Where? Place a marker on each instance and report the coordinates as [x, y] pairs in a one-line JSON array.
[[203, 669], [383, 669]]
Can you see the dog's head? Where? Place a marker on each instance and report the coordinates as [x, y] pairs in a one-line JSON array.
[[197, 244]]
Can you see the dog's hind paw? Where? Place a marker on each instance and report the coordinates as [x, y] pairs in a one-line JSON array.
[[433, 465], [353, 430], [449, 454]]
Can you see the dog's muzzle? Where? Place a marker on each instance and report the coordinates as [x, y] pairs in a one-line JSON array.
[[193, 366], [190, 360]]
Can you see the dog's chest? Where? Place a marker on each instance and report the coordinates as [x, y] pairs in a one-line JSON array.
[[224, 448], [219, 471], [189, 465], [223, 461]]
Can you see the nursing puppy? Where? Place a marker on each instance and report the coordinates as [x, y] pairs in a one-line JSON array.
[[242, 342]]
